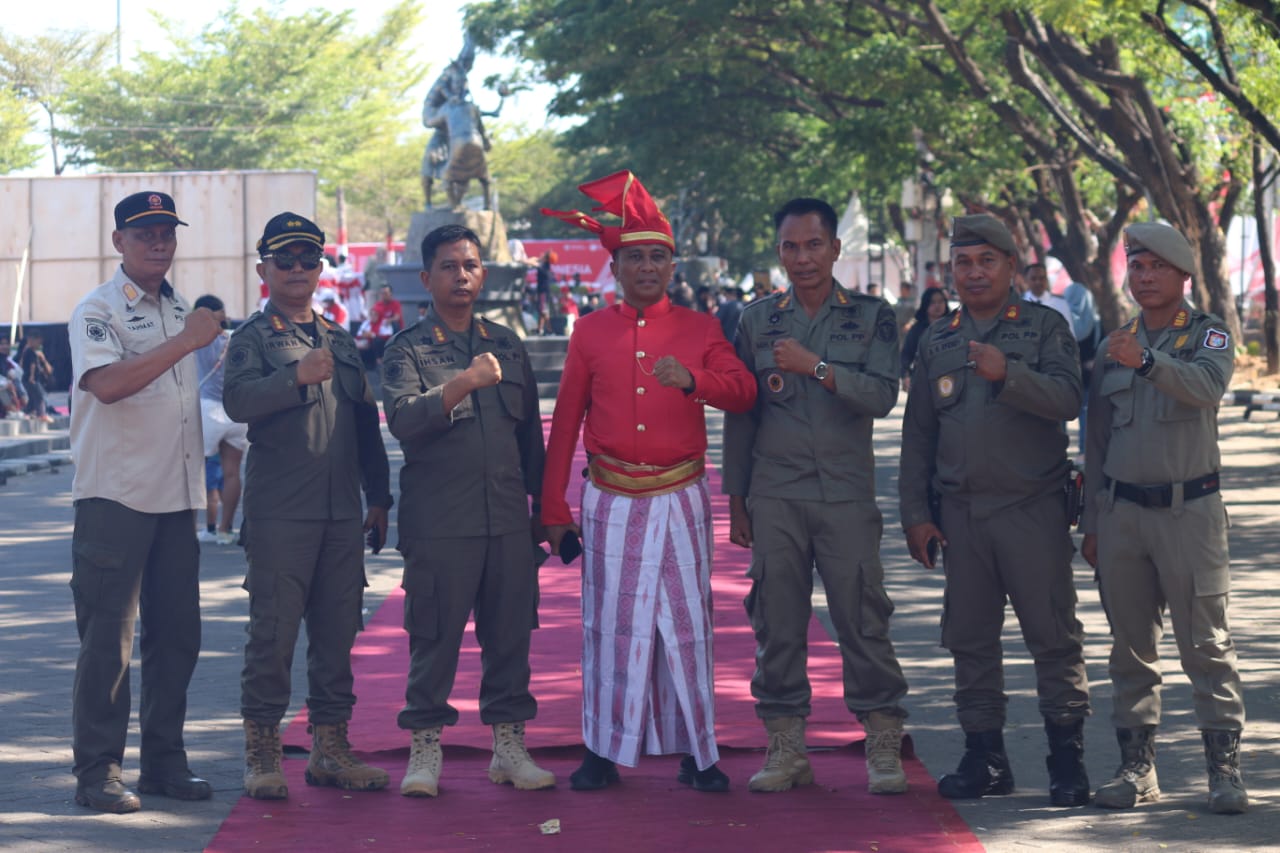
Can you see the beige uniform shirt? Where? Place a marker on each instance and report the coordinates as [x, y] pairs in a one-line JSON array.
[[1160, 428], [145, 451]]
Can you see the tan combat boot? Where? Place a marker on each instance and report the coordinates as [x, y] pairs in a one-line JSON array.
[[884, 754], [1135, 780], [512, 763], [787, 762], [422, 776], [1227, 794], [333, 764], [263, 776]]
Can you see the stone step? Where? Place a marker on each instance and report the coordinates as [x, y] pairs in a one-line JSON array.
[[17, 447]]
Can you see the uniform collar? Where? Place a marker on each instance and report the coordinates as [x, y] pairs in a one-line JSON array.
[[657, 309], [132, 294], [1012, 310], [440, 333]]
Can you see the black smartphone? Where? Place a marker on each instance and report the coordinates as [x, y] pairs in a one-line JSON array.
[[570, 547]]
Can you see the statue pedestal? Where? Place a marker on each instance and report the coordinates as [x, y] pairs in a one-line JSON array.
[[487, 224]]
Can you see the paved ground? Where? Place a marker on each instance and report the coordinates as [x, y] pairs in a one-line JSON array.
[[38, 649]]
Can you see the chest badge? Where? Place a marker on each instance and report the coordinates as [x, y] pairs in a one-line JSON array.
[[1178, 344], [775, 382], [946, 386]]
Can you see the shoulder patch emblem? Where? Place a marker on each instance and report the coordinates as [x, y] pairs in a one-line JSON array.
[[239, 355], [394, 369], [95, 331], [1216, 339], [887, 330]]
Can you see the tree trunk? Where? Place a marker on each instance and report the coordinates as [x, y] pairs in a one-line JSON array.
[[1263, 193]]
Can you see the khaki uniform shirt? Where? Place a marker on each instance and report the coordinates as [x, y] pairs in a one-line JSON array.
[[311, 447], [145, 451], [800, 441], [992, 444], [1160, 428], [467, 472]]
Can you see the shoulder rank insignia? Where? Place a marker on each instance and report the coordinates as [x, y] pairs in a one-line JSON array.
[[278, 323], [1215, 339], [439, 335], [1013, 312], [1181, 319], [130, 292], [784, 301], [955, 320], [1133, 327], [482, 330], [841, 297]]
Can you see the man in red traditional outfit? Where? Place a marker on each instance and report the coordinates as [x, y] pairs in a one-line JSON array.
[[640, 373]]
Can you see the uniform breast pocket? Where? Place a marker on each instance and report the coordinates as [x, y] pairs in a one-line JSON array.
[[1117, 388], [511, 393], [848, 353], [1028, 355], [947, 377], [1170, 409], [350, 374], [776, 385]]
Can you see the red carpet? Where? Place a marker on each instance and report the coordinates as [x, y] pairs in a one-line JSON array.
[[649, 810]]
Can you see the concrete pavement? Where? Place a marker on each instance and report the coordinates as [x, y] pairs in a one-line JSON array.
[[38, 648]]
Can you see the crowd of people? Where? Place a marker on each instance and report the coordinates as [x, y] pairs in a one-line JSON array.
[[24, 379], [802, 375]]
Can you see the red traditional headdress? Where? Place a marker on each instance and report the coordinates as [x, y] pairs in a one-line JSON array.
[[623, 195]]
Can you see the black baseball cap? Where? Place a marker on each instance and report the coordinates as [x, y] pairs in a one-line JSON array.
[[144, 209], [286, 228]]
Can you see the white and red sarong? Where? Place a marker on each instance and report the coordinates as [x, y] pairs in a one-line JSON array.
[[647, 667]]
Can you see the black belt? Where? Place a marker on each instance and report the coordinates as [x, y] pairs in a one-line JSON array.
[[1161, 497]]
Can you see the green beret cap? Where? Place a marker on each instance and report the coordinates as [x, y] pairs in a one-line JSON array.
[[982, 228], [1161, 240]]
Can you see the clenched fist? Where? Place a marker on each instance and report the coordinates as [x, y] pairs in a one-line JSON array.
[[315, 367], [791, 357], [988, 362], [201, 327], [1123, 346], [672, 374], [485, 370]]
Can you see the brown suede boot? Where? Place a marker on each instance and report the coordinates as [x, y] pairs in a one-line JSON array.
[[787, 761], [332, 762], [263, 776], [512, 762], [884, 754]]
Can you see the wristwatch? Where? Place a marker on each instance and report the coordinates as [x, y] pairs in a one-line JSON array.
[[821, 371], [1148, 362]]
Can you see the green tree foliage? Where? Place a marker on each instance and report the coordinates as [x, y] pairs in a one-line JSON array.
[[1067, 119], [255, 91], [16, 123], [42, 72]]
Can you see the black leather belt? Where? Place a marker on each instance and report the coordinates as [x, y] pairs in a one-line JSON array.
[[1161, 497]]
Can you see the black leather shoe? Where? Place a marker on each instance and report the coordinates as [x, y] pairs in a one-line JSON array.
[[595, 774], [183, 785], [709, 781], [109, 795]]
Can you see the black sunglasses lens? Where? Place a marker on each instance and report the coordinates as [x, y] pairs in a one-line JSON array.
[[285, 262]]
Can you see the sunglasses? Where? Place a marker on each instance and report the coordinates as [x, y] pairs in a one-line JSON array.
[[284, 261]]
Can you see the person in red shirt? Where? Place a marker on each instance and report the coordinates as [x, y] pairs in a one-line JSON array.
[[640, 372], [386, 317], [332, 310]]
